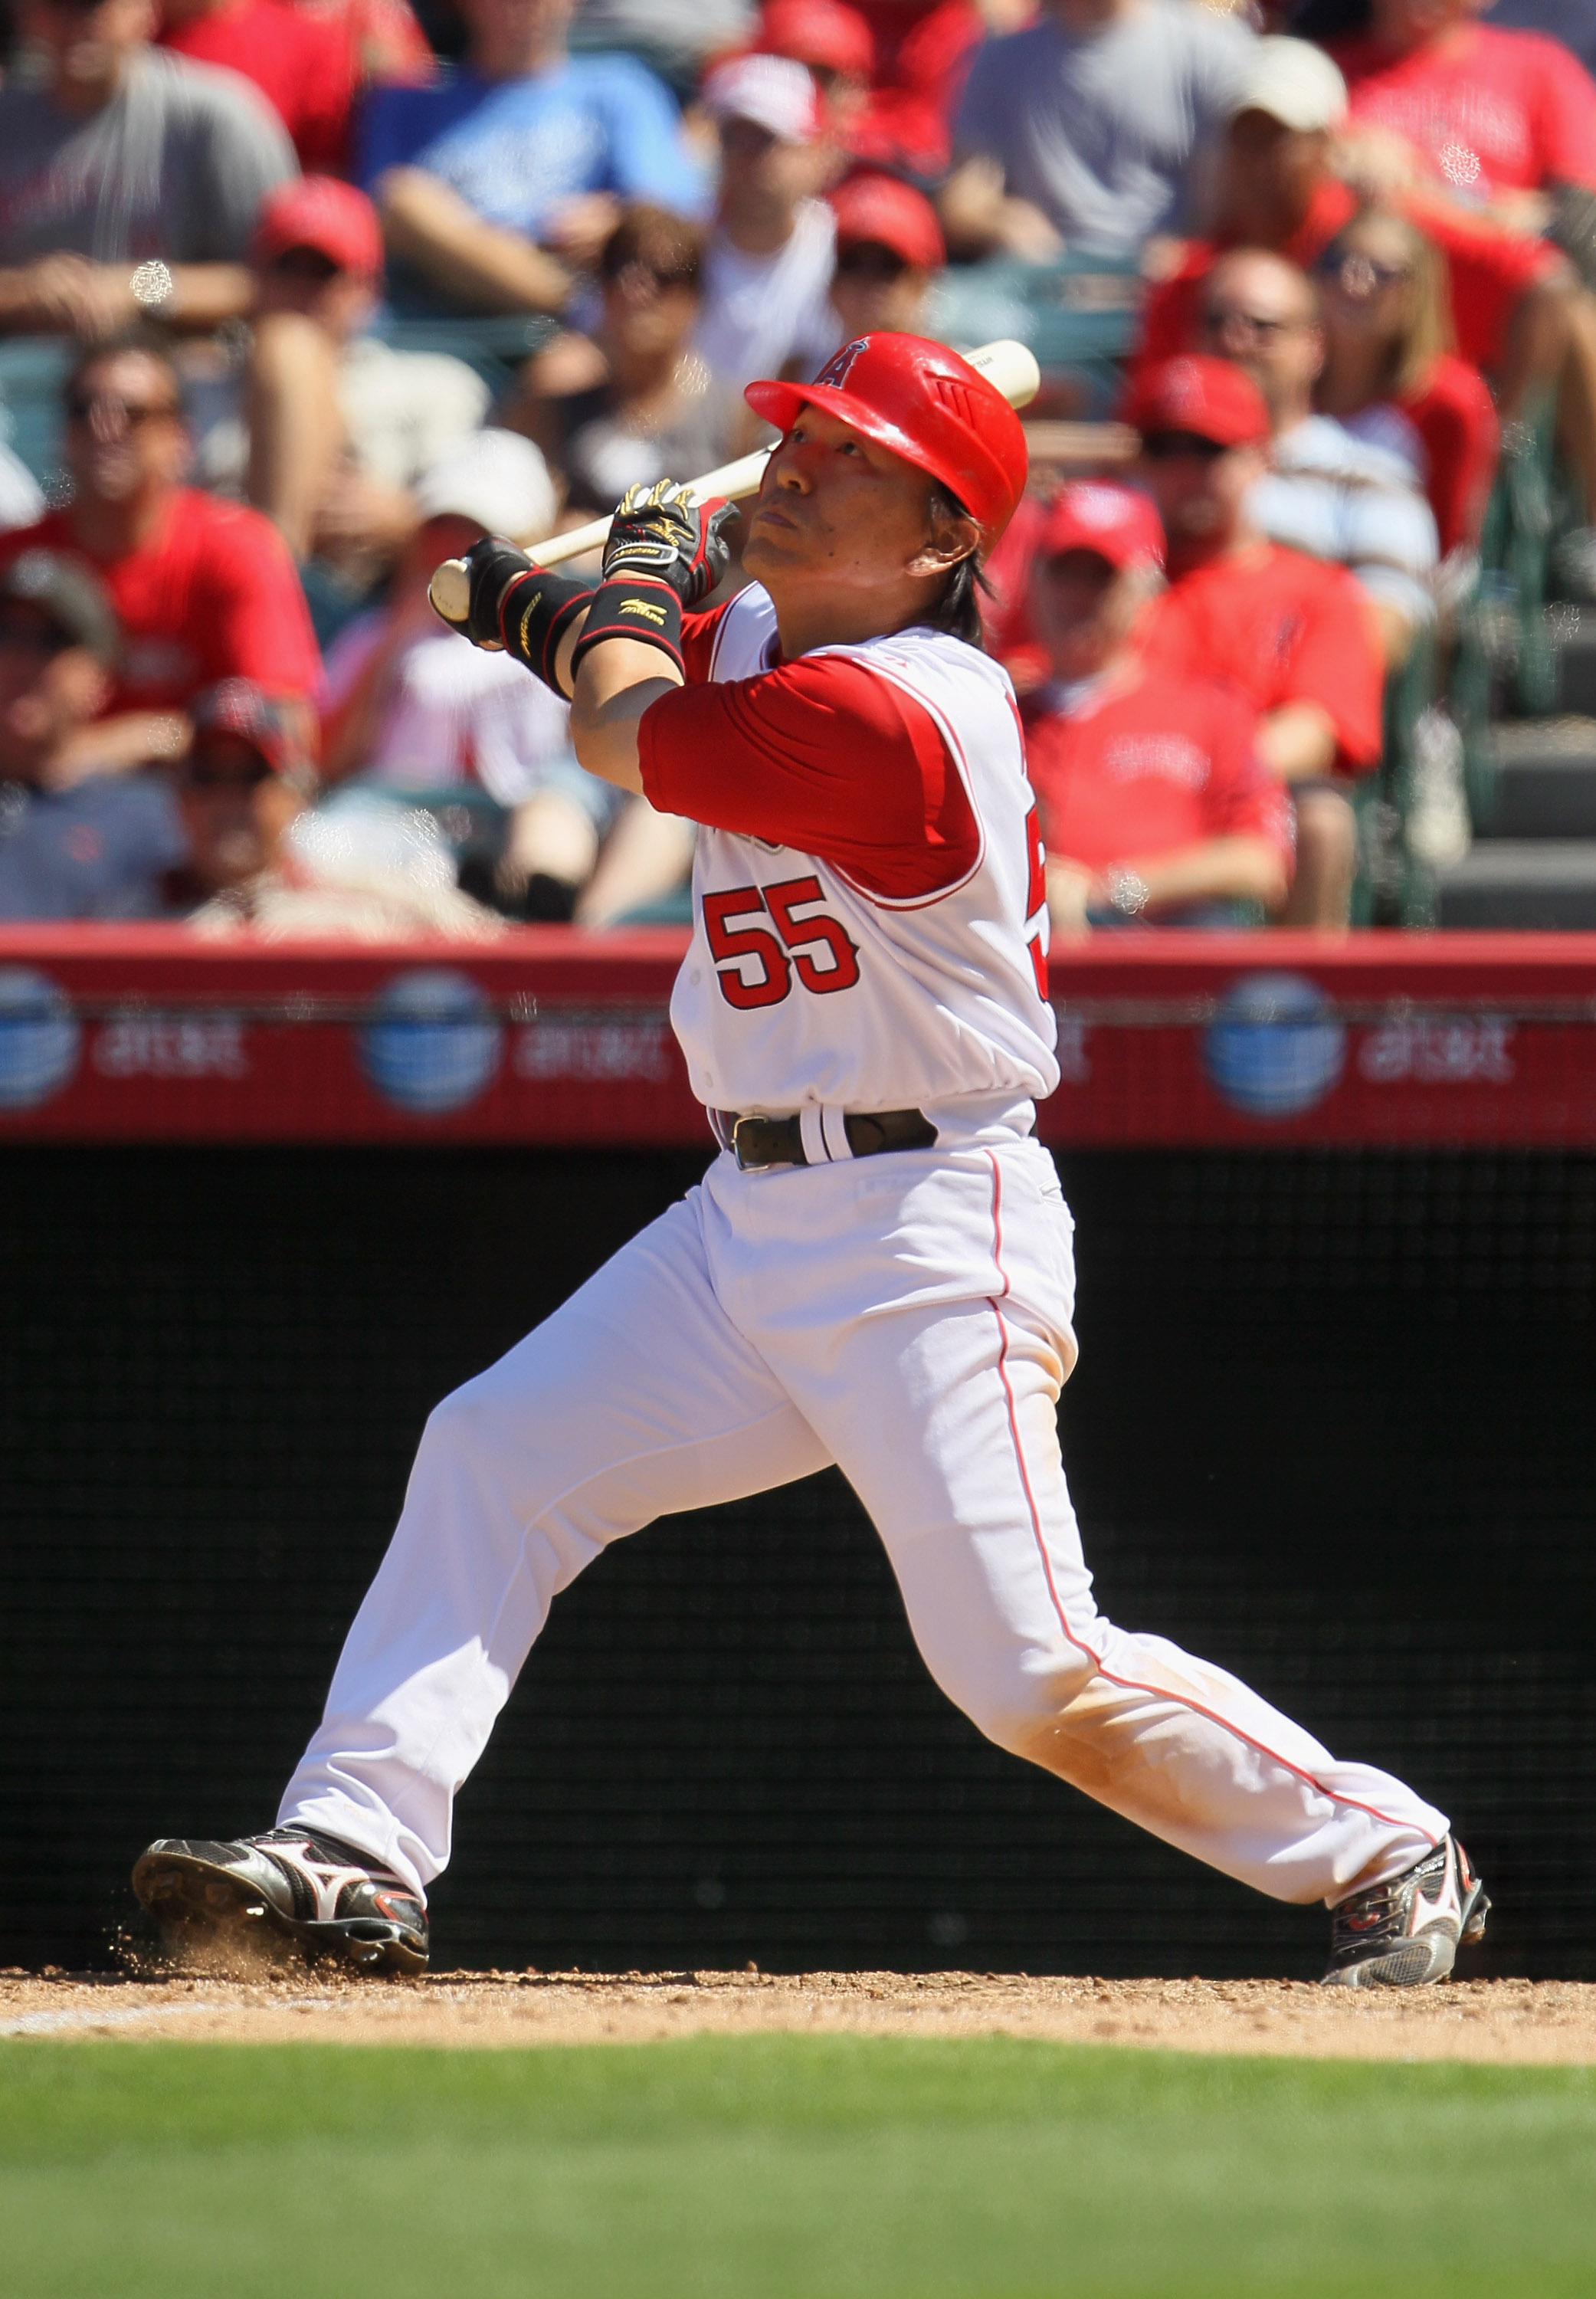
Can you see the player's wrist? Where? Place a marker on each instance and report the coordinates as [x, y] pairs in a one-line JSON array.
[[629, 606], [535, 610]]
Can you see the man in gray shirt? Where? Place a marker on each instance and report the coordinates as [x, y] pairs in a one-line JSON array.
[[1084, 131], [130, 177]]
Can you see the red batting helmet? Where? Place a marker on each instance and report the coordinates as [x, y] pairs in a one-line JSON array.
[[926, 404]]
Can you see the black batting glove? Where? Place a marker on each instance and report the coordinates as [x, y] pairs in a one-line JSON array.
[[660, 533], [665, 553], [520, 606]]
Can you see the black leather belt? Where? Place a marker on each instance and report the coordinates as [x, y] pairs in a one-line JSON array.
[[757, 1142]]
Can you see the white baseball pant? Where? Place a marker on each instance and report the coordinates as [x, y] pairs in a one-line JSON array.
[[908, 1317]]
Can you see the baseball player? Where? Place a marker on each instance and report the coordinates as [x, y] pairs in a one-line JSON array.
[[877, 1269]]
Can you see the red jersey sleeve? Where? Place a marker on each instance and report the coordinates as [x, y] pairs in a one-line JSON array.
[[251, 596], [823, 755], [1336, 663]]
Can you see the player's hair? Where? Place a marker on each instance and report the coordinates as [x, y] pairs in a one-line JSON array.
[[149, 342], [958, 610]]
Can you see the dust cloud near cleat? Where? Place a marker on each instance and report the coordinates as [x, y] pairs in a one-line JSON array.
[[286, 1886], [1406, 1932]]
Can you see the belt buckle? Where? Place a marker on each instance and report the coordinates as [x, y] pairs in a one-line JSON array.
[[747, 1164]]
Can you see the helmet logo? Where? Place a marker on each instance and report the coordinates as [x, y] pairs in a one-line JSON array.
[[839, 367]]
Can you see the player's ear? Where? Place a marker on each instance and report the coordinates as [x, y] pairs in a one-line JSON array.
[[953, 535]]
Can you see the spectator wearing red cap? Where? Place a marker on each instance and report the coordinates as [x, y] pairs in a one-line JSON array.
[[836, 46], [304, 66], [1293, 637], [767, 274], [202, 589], [1157, 808], [336, 427], [890, 249], [259, 864], [1085, 128]]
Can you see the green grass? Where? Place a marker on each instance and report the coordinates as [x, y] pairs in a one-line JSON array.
[[785, 2168]]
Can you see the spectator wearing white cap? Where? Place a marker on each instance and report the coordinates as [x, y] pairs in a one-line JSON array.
[[407, 707], [768, 272], [1085, 130]]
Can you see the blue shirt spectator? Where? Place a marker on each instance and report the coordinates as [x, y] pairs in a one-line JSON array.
[[517, 150], [501, 184], [73, 844]]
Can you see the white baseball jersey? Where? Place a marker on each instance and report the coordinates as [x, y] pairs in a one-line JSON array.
[[870, 915], [869, 936]]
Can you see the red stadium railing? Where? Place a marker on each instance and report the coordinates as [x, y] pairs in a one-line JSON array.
[[553, 1036]]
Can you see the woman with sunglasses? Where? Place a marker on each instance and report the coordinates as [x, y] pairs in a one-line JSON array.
[[1392, 376], [635, 400]]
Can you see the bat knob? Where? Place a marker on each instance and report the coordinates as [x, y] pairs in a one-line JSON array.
[[449, 590]]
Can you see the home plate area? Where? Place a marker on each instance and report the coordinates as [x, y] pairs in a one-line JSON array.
[[1501, 2021]]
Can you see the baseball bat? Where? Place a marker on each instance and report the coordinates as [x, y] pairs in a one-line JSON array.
[[1009, 367]]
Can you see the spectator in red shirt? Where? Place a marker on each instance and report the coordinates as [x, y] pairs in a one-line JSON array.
[[1390, 372], [202, 590], [304, 66], [1155, 806], [922, 51], [1293, 636], [1490, 116], [1512, 298]]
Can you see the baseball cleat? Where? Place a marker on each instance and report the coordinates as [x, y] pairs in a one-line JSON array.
[[322, 1897], [1406, 1932]]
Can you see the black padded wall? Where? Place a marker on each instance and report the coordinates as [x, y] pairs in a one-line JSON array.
[[1333, 1427]]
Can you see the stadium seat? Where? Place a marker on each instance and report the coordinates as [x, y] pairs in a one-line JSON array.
[[32, 369]]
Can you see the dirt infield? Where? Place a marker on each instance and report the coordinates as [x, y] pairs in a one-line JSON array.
[[1501, 2021]]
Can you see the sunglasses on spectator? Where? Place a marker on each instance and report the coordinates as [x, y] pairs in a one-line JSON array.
[[637, 271], [306, 263], [1223, 318], [33, 634], [81, 406], [867, 259], [1359, 276], [215, 775], [1165, 446]]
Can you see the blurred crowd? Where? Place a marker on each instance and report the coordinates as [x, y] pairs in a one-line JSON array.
[[326, 289]]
